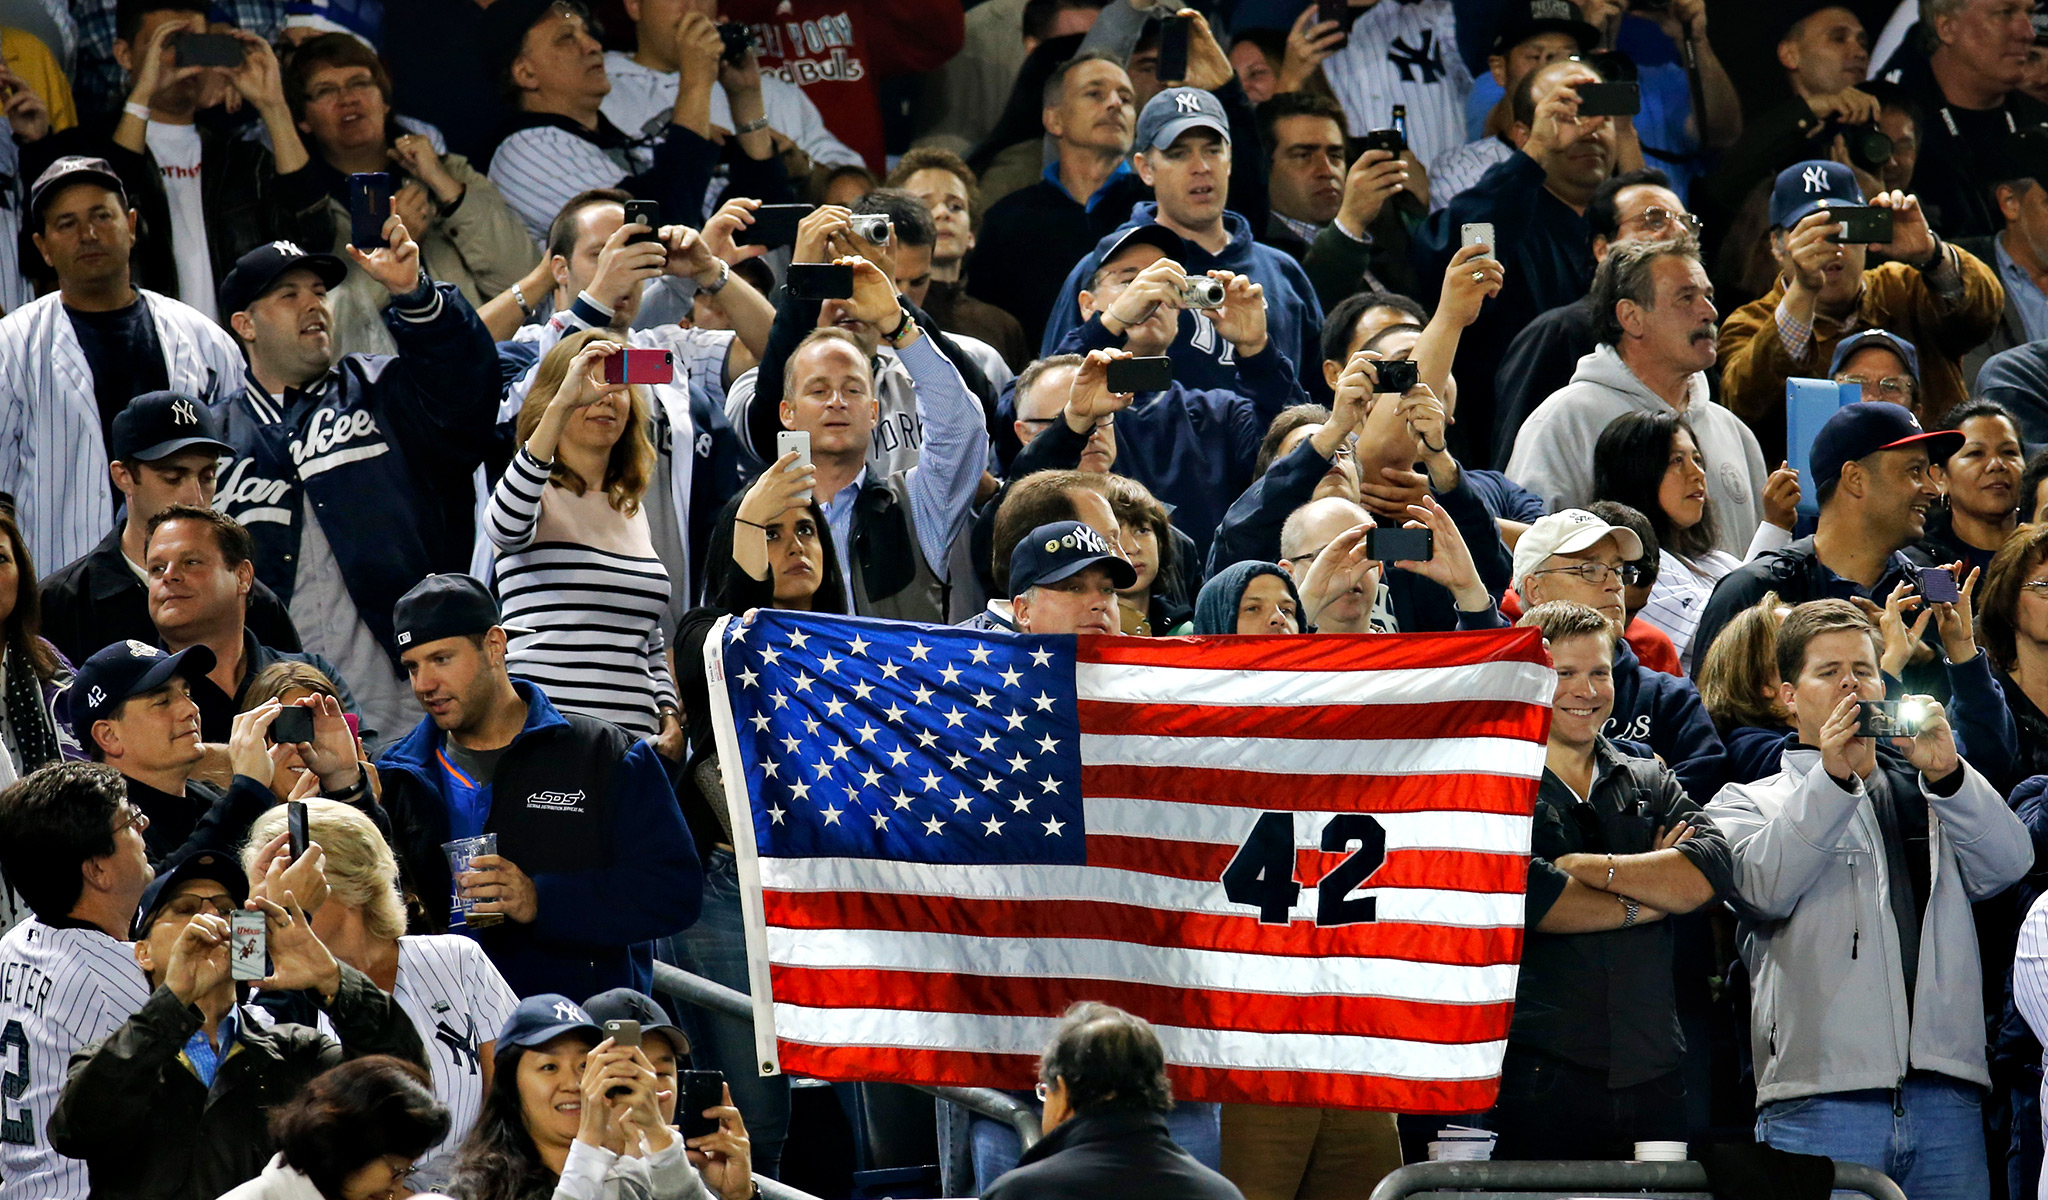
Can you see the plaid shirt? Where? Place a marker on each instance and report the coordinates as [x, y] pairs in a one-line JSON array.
[[98, 83]]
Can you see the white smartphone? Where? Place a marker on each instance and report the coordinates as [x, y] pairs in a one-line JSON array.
[[248, 946], [798, 440], [1477, 234]]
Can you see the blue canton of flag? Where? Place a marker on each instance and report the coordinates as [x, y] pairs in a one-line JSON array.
[[917, 743]]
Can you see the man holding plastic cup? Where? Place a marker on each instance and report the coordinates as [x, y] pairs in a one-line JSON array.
[[576, 852]]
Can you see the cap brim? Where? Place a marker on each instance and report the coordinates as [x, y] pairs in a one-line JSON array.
[[1940, 443], [105, 179], [1179, 125], [1586, 539], [166, 449], [1154, 235], [1121, 572], [548, 1033], [193, 662]]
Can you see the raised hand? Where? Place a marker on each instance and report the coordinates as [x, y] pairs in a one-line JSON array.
[[396, 264], [1242, 319], [298, 959]]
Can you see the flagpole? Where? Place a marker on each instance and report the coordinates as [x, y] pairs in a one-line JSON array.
[[733, 774]]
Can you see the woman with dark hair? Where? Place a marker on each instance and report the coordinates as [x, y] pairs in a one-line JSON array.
[[32, 672], [352, 1133], [1739, 687], [1652, 463], [1157, 605], [2012, 623], [1981, 483]]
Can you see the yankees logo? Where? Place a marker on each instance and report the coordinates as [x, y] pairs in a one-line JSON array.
[[463, 1044], [1814, 179], [568, 1012], [183, 413], [1427, 58], [1187, 102], [282, 246]]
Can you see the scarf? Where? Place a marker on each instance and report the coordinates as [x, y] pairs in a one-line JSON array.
[[35, 738]]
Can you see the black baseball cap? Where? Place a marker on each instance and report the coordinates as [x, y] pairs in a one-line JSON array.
[[625, 1004], [1053, 552], [256, 271], [1147, 235], [73, 168], [541, 1019], [1866, 427], [445, 606], [505, 26], [1529, 18], [201, 864], [159, 424], [125, 669]]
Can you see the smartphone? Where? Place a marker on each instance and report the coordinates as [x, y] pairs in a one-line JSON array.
[[701, 1090], [1889, 718], [248, 946], [643, 212], [294, 724], [1334, 10], [622, 1033], [1150, 374], [1478, 233], [1173, 50], [369, 206], [1396, 375], [295, 821], [774, 225], [1938, 586], [1862, 225], [799, 441], [633, 365], [1387, 544], [1610, 99], [1401, 122], [819, 281], [1389, 140], [208, 50]]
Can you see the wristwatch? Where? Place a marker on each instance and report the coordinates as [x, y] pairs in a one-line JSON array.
[[1633, 910], [724, 277], [897, 336]]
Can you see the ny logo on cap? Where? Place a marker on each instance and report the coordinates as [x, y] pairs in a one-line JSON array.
[[1552, 10], [1188, 102], [405, 637], [183, 413], [96, 697], [283, 246], [142, 650], [1814, 179], [569, 1012]]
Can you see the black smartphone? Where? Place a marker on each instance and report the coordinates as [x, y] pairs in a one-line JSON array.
[[1339, 11], [820, 281], [1862, 225], [209, 50], [369, 206], [1384, 543], [643, 212], [1396, 375], [1889, 718], [1389, 140], [1610, 99], [774, 225], [293, 724], [1140, 374], [295, 823], [1938, 586], [1173, 50], [701, 1090], [738, 39]]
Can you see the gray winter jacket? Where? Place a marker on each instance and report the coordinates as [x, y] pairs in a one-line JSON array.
[[1817, 934]]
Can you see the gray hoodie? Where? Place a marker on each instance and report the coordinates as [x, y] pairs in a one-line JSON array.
[[1554, 452]]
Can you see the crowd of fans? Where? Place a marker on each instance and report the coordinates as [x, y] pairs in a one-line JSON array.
[[431, 377]]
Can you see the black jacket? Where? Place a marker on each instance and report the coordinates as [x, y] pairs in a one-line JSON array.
[[1539, 361], [148, 1128], [201, 818], [1110, 1154], [98, 600], [1797, 575], [1032, 237]]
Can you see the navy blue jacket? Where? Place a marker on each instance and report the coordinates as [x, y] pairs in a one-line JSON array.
[[597, 923], [383, 446], [1755, 751], [1201, 357], [1664, 713]]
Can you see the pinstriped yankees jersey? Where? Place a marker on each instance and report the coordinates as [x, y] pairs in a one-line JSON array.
[[1402, 53]]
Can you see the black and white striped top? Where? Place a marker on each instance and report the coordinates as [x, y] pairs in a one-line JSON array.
[[581, 581]]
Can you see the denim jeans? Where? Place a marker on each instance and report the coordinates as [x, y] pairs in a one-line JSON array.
[[716, 948], [1928, 1136]]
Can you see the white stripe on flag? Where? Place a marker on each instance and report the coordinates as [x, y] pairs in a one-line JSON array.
[[1082, 958], [1524, 681], [1304, 756], [1495, 833], [1224, 1048]]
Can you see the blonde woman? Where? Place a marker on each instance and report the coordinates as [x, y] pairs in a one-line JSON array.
[[576, 571], [455, 997]]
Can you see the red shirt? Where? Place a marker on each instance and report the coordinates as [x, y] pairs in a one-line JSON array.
[[1654, 648]]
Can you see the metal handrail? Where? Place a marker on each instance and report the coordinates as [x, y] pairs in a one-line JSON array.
[[1579, 1177], [989, 1102]]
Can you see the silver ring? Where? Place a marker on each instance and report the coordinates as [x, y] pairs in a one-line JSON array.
[[1478, 275]]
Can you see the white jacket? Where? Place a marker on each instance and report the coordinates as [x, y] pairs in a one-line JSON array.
[[52, 457], [278, 1182]]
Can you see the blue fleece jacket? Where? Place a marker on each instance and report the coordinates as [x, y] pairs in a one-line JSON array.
[[1755, 752], [1201, 357], [1664, 713]]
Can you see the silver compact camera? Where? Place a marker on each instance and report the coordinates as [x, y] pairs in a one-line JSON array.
[[872, 228], [1201, 292]]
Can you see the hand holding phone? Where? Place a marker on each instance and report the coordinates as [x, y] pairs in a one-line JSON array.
[[774, 225], [1478, 233], [643, 212], [296, 821], [1938, 586], [1609, 99], [819, 281], [248, 946], [292, 725], [1133, 375], [1392, 544], [637, 365]]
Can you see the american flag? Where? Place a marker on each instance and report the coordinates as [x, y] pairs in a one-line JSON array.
[[1301, 858]]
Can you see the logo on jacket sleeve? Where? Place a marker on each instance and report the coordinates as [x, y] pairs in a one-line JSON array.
[[556, 801]]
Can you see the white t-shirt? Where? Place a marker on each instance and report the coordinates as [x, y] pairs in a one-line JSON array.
[[177, 152], [457, 1001]]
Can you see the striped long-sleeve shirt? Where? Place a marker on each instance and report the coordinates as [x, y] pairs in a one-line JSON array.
[[581, 583], [2030, 987]]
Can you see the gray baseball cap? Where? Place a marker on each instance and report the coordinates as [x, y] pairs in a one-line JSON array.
[[1174, 112]]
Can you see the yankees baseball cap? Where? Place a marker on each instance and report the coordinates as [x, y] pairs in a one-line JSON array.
[[1572, 531], [1053, 552], [159, 424], [1803, 187], [201, 864], [125, 669], [505, 25], [1866, 427], [444, 606], [73, 168], [256, 271], [543, 1018], [1877, 337], [1529, 18], [1152, 234], [625, 1004], [1174, 112]]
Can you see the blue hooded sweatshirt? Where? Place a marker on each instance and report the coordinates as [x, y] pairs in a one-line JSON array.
[[1664, 713]]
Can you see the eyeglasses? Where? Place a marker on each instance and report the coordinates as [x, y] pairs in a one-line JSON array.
[[1891, 386], [2037, 586], [1597, 573], [1656, 220], [131, 816], [1102, 422], [328, 92], [187, 907]]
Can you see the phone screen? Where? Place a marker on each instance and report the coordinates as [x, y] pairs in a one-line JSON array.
[[1387, 544], [820, 281], [774, 225], [295, 821], [369, 207], [1173, 50]]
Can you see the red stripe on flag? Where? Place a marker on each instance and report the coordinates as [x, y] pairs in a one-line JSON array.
[[1353, 722], [1509, 794], [1187, 1008], [1325, 652], [1240, 933], [1448, 870]]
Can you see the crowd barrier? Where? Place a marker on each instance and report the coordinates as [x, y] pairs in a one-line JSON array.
[[1584, 1180]]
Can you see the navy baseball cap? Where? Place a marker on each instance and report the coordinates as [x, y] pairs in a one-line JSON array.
[[73, 168], [1804, 187], [543, 1018], [1877, 337], [1531, 18], [505, 26], [125, 669], [625, 1004], [1866, 427], [1174, 112], [159, 424], [256, 271], [444, 606], [1147, 235], [1053, 552], [200, 864]]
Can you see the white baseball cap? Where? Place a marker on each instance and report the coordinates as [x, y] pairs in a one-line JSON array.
[[1569, 532]]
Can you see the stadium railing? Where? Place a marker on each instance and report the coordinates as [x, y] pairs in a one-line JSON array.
[[1559, 1180]]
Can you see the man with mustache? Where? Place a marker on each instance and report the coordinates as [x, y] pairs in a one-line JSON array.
[[1653, 309]]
